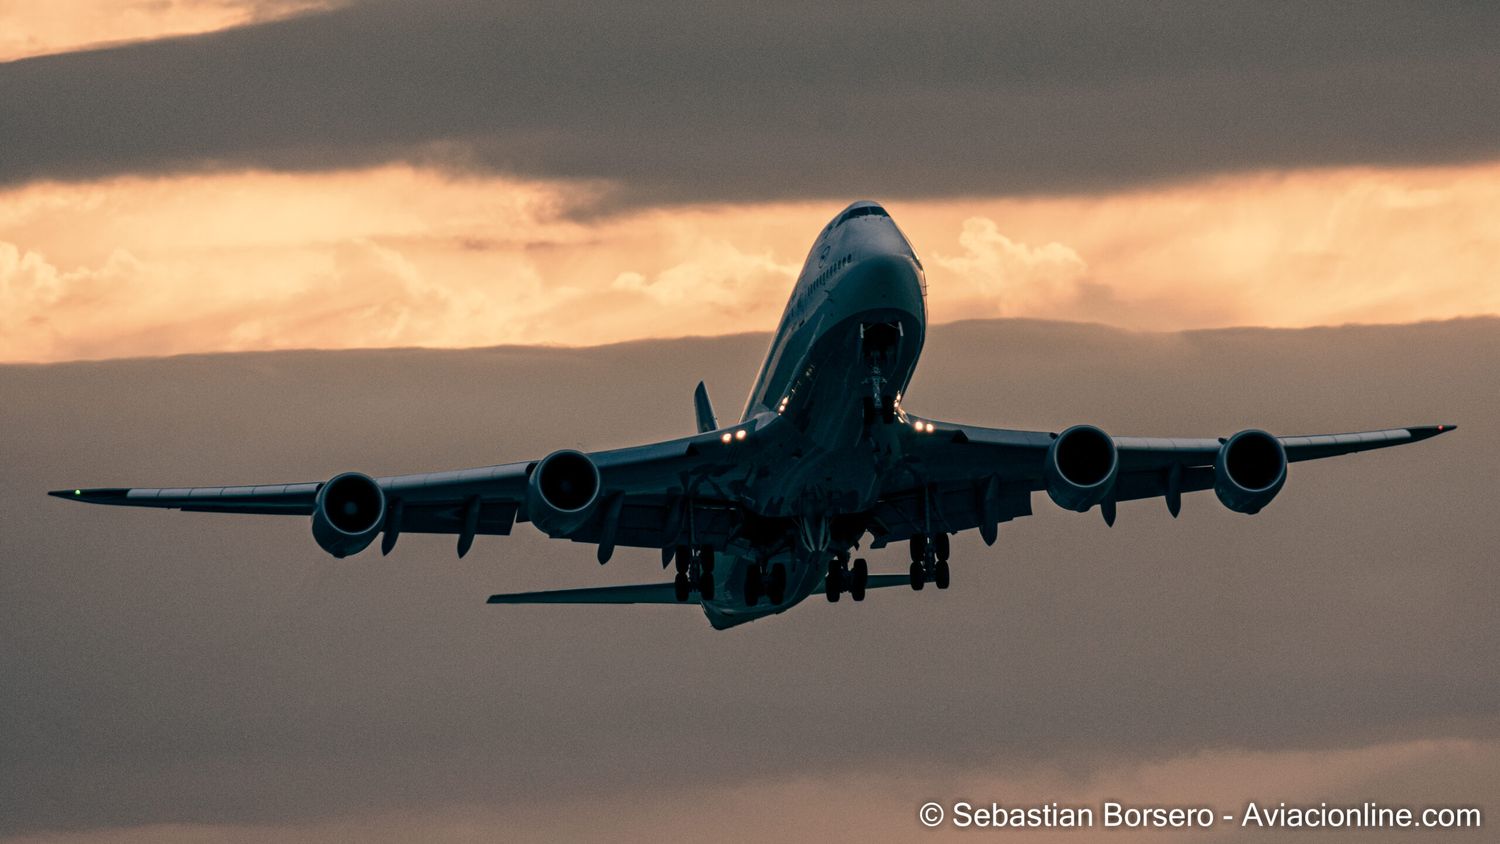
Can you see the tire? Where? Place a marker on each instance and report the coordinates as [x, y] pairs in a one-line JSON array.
[[887, 409], [752, 585], [833, 581], [869, 406], [680, 587], [918, 548], [940, 575], [941, 540], [706, 557], [706, 585], [918, 577], [860, 579], [777, 587], [682, 557]]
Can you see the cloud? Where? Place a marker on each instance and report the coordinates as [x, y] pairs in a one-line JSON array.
[[1013, 278], [33, 29], [684, 103], [406, 256], [881, 805]]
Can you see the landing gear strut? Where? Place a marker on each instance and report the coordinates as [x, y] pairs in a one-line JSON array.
[[841, 578], [929, 561], [695, 572]]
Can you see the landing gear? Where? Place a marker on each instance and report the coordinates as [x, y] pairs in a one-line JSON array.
[[776, 587], [695, 572], [765, 581], [841, 578], [929, 561]]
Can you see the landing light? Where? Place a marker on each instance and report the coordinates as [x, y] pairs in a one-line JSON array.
[[740, 434], [726, 437], [929, 427], [78, 492]]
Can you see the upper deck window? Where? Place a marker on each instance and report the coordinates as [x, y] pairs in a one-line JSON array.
[[862, 211]]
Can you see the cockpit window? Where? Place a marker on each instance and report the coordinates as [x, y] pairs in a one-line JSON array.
[[862, 211]]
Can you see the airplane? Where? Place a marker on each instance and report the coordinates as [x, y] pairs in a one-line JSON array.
[[760, 514]]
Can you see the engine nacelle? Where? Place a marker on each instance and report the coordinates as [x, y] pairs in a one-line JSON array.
[[348, 513], [1082, 464], [562, 492], [1249, 470]]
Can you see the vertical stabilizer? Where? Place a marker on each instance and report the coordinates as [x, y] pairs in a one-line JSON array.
[[706, 420]]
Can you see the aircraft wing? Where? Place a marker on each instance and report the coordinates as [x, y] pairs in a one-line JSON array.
[[648, 485], [969, 476]]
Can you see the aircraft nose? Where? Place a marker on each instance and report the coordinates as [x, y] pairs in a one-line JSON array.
[[885, 281]]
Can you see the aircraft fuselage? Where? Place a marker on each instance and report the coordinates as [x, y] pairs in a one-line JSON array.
[[841, 357]]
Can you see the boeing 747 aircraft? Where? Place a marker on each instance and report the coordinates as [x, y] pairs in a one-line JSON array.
[[825, 460]]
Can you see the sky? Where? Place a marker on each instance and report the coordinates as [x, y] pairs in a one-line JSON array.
[[226, 175], [188, 677], [226, 225]]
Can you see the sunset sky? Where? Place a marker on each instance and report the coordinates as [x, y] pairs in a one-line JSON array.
[[538, 178], [323, 175]]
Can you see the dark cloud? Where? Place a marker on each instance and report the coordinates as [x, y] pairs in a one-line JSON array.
[[175, 668], [686, 101]]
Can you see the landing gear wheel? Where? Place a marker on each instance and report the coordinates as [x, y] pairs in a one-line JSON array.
[[940, 575], [706, 585], [918, 577], [683, 556], [752, 586], [859, 580], [918, 548], [706, 557], [776, 589], [832, 584], [680, 587], [869, 405], [940, 543], [887, 409]]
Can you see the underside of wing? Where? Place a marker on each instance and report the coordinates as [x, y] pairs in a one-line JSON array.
[[963, 476]]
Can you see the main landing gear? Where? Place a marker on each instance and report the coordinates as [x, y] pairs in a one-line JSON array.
[[695, 572], [929, 561], [765, 581], [841, 578]]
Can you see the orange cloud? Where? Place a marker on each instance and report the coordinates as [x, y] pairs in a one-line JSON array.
[[55, 26], [404, 256]]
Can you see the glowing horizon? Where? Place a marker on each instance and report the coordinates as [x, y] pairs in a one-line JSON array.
[[406, 256]]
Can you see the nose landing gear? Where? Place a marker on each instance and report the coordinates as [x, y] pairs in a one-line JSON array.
[[695, 572]]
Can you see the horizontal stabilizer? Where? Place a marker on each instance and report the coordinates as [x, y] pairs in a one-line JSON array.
[[878, 581], [642, 593]]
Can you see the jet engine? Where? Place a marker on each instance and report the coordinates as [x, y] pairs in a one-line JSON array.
[[1249, 470], [562, 492], [1081, 467], [347, 513]]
